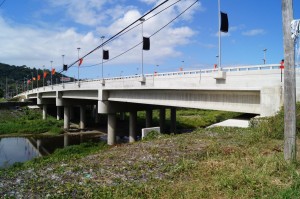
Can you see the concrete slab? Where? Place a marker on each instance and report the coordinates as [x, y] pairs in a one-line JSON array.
[[232, 123]]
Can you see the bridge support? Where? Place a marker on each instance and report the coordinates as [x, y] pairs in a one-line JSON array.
[[44, 112], [111, 128], [162, 119], [72, 112], [173, 120], [148, 118], [122, 116], [58, 112], [66, 117], [82, 117], [132, 126], [66, 140]]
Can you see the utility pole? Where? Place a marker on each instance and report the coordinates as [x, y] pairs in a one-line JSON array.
[[289, 83]]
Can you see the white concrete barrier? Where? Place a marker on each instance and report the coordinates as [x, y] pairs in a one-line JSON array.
[[145, 131]]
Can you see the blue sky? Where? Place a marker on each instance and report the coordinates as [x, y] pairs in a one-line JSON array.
[[35, 32]]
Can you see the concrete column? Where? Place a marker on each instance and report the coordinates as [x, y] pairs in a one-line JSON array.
[[44, 112], [66, 117], [132, 126], [148, 118], [72, 112], [58, 112], [82, 117], [96, 115], [122, 116], [162, 119], [173, 120], [66, 140], [39, 146], [111, 128]]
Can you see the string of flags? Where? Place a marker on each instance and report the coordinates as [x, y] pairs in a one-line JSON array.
[[38, 77]]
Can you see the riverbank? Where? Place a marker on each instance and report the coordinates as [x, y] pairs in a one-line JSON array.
[[208, 163]]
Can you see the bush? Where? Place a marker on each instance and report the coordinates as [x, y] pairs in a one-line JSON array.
[[152, 135], [273, 127]]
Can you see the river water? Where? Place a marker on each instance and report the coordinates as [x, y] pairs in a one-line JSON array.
[[19, 149]]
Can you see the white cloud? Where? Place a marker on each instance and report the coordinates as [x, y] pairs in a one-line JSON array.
[[254, 32], [36, 46]]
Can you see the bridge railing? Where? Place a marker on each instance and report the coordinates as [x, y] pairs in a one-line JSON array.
[[179, 73], [193, 72]]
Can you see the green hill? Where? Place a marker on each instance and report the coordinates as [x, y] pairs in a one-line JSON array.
[[14, 79]]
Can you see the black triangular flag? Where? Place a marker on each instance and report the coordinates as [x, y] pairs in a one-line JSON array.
[[65, 67], [105, 54], [224, 22], [146, 43]]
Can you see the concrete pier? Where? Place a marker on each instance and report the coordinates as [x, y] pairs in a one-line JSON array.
[[111, 128], [44, 111], [148, 118], [173, 120], [132, 126], [162, 119], [58, 112], [82, 117], [66, 117]]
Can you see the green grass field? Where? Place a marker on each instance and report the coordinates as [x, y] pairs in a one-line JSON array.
[[207, 163]]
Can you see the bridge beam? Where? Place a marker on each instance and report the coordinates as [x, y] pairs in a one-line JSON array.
[[111, 128], [66, 117], [132, 126]]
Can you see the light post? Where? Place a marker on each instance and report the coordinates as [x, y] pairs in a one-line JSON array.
[[62, 77], [43, 76], [78, 49], [265, 50], [219, 55], [31, 80], [142, 21], [51, 72], [27, 81], [102, 38]]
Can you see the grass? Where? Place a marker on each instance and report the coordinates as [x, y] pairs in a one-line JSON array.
[[189, 118], [207, 163], [27, 121], [214, 163]]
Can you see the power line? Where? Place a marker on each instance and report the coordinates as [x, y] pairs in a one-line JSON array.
[[150, 35], [2, 3], [117, 34]]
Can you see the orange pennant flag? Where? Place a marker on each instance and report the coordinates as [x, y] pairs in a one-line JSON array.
[[45, 74], [39, 77], [80, 61], [53, 71]]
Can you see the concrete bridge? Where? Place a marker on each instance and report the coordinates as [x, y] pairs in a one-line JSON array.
[[249, 89]]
